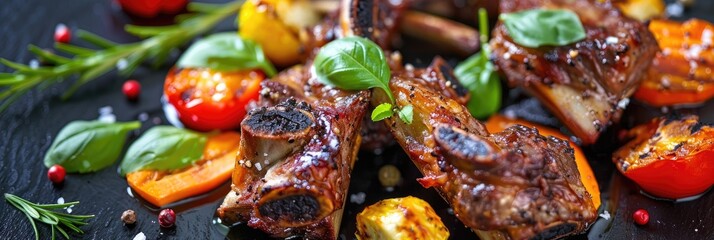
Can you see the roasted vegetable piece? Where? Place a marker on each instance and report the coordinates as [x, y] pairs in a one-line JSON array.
[[669, 157], [400, 218], [276, 26], [681, 73], [642, 10], [211, 100], [498, 123], [151, 8], [585, 84], [215, 167], [513, 184]]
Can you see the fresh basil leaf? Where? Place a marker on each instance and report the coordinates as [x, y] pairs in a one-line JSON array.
[[407, 114], [164, 148], [88, 146], [353, 63], [381, 112], [477, 74], [544, 27], [226, 52]]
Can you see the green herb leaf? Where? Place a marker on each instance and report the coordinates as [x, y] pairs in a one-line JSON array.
[[477, 74], [407, 114], [381, 112], [353, 63], [541, 27], [164, 148], [44, 214], [226, 52], [87, 146]]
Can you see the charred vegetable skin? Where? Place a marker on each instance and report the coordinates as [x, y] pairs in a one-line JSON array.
[[514, 183], [297, 151], [669, 157], [585, 84], [681, 73]]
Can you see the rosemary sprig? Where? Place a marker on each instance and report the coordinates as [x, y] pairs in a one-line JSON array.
[[89, 64], [43, 213]]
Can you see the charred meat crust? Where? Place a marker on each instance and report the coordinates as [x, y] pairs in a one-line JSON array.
[[281, 121], [292, 208], [530, 184], [600, 72], [465, 151], [373, 19]]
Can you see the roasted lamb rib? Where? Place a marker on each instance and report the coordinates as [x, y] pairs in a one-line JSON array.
[[299, 145], [296, 154], [515, 184], [586, 84]]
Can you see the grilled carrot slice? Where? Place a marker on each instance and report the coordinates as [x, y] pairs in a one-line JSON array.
[[215, 167]]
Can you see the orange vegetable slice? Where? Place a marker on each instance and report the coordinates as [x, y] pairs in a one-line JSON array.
[[497, 123], [215, 167], [681, 73]]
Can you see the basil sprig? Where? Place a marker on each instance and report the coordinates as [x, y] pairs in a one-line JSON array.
[[543, 27], [87, 146], [477, 74], [226, 52], [356, 63], [164, 148]]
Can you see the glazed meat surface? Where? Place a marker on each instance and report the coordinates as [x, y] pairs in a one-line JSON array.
[[512, 184], [585, 84]]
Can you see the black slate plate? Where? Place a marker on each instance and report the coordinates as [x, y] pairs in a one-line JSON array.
[[28, 127]]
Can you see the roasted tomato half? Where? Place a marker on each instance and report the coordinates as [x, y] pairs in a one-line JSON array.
[[681, 73], [151, 8], [669, 157], [211, 100]]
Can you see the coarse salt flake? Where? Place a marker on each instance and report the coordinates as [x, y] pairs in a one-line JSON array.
[[140, 236], [605, 215], [122, 64], [358, 198]]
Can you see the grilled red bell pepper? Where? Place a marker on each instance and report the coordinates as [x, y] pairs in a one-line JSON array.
[[681, 73], [669, 157], [151, 8], [209, 100]]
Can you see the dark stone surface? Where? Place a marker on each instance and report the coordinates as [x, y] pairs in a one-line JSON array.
[[29, 126]]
